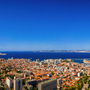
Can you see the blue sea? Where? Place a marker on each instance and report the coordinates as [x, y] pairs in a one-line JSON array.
[[76, 57]]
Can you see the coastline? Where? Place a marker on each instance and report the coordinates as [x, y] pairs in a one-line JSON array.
[[76, 57]]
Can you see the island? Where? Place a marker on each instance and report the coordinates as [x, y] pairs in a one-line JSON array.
[[2, 53]]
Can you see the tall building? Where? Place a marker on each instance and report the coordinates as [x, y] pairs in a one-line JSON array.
[[59, 81], [17, 83], [9, 82], [32, 82], [48, 85]]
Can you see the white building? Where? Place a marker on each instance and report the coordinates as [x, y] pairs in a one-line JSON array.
[[55, 62], [9, 82], [85, 87], [17, 83], [37, 60], [79, 74], [59, 60]]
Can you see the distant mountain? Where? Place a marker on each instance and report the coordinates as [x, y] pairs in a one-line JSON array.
[[79, 51]]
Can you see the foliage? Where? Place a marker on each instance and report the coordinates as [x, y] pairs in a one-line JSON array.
[[72, 61], [23, 81], [26, 87], [19, 71], [27, 75], [2, 88], [35, 88], [79, 84], [11, 76], [52, 73]]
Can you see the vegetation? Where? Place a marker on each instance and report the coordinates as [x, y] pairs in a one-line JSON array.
[[72, 61], [52, 73], [11, 76], [27, 75], [35, 88], [79, 84], [19, 71], [2, 88], [23, 81], [26, 87]]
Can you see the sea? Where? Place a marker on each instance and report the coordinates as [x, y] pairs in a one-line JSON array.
[[76, 57]]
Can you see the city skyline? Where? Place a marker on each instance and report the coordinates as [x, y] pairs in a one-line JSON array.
[[44, 25]]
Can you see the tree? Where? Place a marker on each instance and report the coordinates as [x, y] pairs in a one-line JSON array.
[[81, 84], [26, 87], [52, 73], [35, 88], [23, 81], [78, 87], [72, 61], [72, 88], [2, 88]]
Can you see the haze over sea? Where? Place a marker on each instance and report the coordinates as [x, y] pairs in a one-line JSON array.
[[76, 57]]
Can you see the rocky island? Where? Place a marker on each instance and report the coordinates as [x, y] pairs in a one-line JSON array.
[[2, 53]]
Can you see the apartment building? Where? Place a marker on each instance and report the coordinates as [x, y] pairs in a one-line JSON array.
[[48, 85], [9, 82], [17, 83]]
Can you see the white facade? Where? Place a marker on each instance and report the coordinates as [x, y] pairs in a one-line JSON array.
[[37, 60], [79, 74], [9, 82], [17, 83]]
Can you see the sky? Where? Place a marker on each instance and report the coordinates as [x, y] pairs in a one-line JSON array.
[[27, 25]]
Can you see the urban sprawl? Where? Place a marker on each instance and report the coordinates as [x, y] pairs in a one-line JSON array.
[[49, 74]]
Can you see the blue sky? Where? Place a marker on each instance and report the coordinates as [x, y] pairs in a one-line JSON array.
[[27, 25]]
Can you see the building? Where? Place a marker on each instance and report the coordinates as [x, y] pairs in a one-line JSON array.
[[32, 82], [48, 85], [68, 59], [37, 60], [30, 87], [79, 74], [55, 62], [72, 76], [59, 81], [31, 77], [17, 83], [9, 82], [86, 86]]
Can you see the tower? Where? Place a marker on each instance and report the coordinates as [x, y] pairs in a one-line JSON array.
[[17, 83]]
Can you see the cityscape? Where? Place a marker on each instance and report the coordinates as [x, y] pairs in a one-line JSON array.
[[49, 74], [44, 44]]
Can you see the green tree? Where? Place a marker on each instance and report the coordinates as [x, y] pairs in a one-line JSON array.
[[2, 88], [26, 87], [52, 73]]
